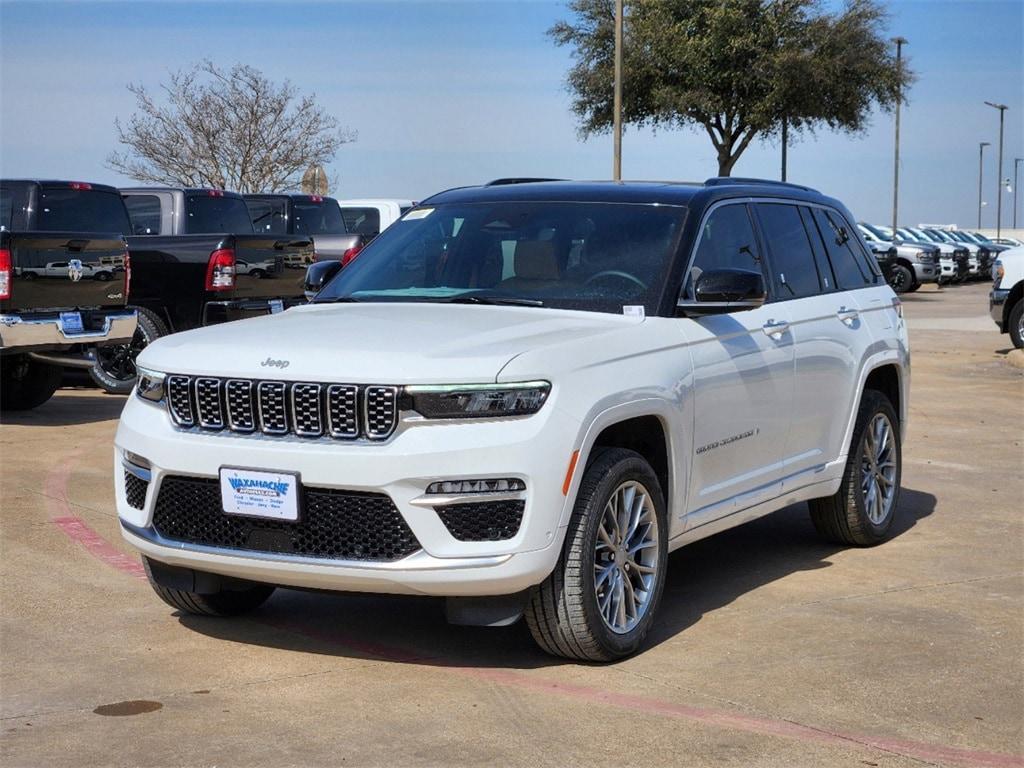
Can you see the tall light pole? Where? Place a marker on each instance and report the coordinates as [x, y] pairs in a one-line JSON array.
[[981, 165], [999, 174], [1016, 189], [900, 42], [617, 98]]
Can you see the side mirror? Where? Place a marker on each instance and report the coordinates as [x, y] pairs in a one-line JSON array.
[[720, 291], [318, 274]]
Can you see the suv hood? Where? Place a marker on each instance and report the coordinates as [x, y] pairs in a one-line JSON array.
[[376, 343]]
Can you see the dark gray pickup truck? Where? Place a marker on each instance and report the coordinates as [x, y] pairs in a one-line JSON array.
[[64, 280], [313, 216], [196, 260]]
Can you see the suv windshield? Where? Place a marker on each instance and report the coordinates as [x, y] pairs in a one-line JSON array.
[[318, 218], [64, 209], [206, 214], [596, 257]]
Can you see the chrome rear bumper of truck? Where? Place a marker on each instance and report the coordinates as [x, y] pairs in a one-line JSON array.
[[33, 330]]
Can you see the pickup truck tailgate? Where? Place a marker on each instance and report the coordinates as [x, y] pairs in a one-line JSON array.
[[61, 270], [269, 267]]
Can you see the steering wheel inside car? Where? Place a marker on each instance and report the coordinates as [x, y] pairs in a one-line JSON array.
[[616, 273]]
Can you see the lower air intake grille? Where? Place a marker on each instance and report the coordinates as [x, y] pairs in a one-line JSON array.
[[135, 490], [482, 520], [339, 525]]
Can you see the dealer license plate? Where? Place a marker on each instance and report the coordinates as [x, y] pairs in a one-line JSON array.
[[71, 323], [273, 495]]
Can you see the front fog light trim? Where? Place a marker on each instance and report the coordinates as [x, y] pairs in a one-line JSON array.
[[445, 492]]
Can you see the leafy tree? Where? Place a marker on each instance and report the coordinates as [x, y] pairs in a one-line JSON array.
[[231, 129], [736, 68]]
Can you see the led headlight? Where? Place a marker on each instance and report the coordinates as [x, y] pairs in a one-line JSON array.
[[478, 401], [150, 385]]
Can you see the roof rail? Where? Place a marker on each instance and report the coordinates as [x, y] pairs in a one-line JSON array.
[[516, 180], [723, 181]]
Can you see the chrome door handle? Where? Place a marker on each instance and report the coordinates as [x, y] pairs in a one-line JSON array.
[[775, 328], [847, 315]]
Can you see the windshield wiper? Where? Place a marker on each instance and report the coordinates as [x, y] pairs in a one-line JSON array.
[[337, 300], [512, 301]]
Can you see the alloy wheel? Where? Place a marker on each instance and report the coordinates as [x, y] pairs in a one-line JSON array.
[[878, 468], [626, 557]]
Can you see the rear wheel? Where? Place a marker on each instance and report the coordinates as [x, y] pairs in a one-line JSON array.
[[26, 383], [114, 370], [599, 602], [862, 510], [222, 603], [1016, 323]]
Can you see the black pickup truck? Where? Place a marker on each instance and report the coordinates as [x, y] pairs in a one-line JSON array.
[[64, 280], [196, 260], [313, 216]]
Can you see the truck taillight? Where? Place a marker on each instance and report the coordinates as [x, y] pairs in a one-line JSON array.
[[127, 274], [220, 271], [350, 254], [5, 273]]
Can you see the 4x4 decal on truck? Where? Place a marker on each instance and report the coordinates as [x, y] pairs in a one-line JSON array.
[[727, 440]]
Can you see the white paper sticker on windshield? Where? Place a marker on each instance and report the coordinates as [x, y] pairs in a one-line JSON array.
[[634, 310], [419, 213]]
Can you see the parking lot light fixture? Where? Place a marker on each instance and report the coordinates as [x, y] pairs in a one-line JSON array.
[[981, 165], [999, 174], [900, 42]]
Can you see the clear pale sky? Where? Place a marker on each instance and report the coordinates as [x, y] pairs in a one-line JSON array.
[[451, 93]]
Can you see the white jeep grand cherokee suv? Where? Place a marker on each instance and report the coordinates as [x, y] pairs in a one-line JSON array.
[[522, 397]]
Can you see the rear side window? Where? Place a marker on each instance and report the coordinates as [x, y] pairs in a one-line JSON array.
[[850, 270], [726, 242], [794, 273], [63, 209], [323, 218], [207, 214], [362, 221], [269, 217], [144, 213]]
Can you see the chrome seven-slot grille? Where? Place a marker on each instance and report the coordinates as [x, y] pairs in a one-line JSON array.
[[306, 409]]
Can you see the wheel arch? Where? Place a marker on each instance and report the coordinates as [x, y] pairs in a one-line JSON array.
[[1016, 294], [644, 426], [887, 372]]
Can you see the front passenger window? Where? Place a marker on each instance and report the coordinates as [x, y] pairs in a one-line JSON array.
[[726, 242]]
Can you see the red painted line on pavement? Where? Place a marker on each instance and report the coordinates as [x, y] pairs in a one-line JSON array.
[[96, 545], [56, 489]]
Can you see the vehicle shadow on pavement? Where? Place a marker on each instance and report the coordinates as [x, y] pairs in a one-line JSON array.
[[67, 408], [702, 577]]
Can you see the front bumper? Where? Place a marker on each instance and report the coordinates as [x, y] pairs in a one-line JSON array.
[[535, 449], [926, 272], [996, 306], [44, 330]]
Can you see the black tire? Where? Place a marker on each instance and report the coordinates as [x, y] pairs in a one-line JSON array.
[[26, 383], [1015, 324], [114, 370], [562, 612], [104, 277], [259, 274], [843, 518], [901, 279], [223, 603]]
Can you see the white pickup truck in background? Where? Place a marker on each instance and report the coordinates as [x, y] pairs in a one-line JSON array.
[[371, 216]]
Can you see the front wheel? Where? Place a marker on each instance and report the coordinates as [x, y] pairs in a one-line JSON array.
[[599, 602], [901, 279], [862, 510], [1016, 324], [226, 602]]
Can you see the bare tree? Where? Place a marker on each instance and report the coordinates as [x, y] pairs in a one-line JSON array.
[[230, 129]]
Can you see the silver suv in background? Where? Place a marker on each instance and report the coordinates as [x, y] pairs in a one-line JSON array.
[[916, 263]]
